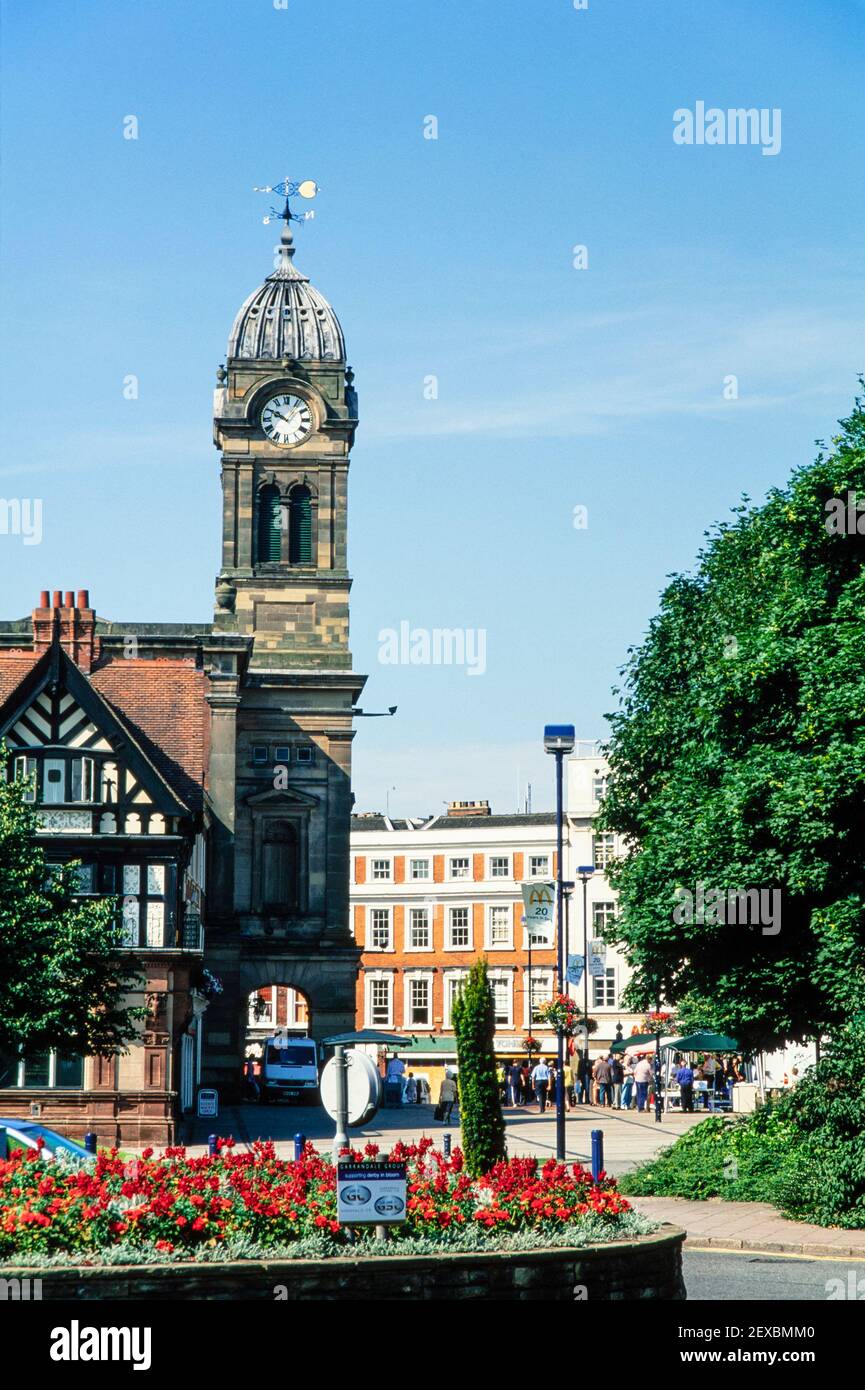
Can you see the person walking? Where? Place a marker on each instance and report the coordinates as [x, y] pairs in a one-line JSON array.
[[685, 1078], [447, 1097], [540, 1082], [410, 1093], [642, 1078], [573, 1082], [526, 1083], [515, 1084], [252, 1087], [628, 1084], [601, 1073], [584, 1073], [617, 1077]]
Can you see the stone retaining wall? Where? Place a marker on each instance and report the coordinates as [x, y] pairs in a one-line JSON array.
[[642, 1267]]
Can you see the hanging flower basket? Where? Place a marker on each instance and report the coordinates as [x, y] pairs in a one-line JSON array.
[[531, 1045], [661, 1021], [562, 1013], [207, 985]]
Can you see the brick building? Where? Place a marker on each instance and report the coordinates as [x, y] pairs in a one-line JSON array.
[[431, 895]]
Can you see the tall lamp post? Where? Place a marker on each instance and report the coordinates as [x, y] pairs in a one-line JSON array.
[[584, 873], [559, 740]]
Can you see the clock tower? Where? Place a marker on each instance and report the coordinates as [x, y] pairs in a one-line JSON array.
[[285, 415]]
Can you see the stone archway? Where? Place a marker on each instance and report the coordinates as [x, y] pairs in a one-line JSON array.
[[325, 977]]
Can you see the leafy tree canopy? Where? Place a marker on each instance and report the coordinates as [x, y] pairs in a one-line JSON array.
[[738, 762], [62, 980]]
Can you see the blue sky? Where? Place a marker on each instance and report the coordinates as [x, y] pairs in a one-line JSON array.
[[451, 258]]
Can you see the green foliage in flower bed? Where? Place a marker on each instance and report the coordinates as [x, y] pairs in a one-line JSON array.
[[589, 1230], [805, 1153], [185, 1207]]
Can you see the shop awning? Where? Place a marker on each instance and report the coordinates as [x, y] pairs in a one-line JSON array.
[[705, 1042], [367, 1035]]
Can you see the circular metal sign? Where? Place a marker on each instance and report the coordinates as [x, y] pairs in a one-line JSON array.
[[364, 1087]]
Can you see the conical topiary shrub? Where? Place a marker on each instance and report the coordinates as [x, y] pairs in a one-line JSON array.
[[483, 1126]]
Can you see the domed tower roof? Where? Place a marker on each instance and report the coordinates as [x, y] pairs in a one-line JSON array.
[[286, 317]]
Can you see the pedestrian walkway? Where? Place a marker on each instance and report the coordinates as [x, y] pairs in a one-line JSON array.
[[715, 1224], [629, 1137]]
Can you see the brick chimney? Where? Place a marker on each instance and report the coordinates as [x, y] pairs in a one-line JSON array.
[[74, 625], [468, 808]]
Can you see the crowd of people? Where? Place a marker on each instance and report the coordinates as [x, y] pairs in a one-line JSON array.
[[614, 1081]]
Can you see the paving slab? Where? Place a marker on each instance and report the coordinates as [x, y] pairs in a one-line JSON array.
[[751, 1226]]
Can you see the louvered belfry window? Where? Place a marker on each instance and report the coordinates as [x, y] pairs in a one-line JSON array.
[[300, 527], [269, 529]]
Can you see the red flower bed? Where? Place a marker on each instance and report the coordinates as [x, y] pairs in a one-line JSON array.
[[177, 1203]]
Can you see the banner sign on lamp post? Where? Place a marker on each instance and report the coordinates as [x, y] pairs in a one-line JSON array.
[[597, 957], [576, 965], [539, 900]]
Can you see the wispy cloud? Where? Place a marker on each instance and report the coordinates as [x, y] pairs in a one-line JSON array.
[[672, 366]]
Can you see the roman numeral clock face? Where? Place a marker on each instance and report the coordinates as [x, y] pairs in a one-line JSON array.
[[286, 419]]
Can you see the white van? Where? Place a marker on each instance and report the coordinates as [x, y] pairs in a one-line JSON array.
[[289, 1067]]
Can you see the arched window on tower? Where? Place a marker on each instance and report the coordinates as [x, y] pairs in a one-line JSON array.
[[279, 886], [269, 524], [300, 526]]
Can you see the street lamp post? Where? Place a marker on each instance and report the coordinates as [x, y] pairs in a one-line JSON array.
[[585, 872], [559, 739]]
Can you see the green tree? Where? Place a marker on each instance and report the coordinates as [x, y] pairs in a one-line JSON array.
[[63, 981], [738, 761], [483, 1126]]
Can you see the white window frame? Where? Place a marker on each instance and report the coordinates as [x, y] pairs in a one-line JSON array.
[[459, 907], [459, 858], [451, 978], [408, 1022], [26, 769], [540, 873], [265, 1020], [500, 945], [419, 859], [608, 918], [370, 944], [504, 977], [602, 778], [508, 865], [380, 859], [602, 853], [378, 976], [88, 781], [608, 975], [545, 973], [427, 910]]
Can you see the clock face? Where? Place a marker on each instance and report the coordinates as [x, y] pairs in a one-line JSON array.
[[286, 419]]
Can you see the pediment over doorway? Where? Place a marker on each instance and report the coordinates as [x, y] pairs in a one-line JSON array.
[[282, 799]]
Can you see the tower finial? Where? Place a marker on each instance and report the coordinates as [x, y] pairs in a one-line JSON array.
[[287, 189]]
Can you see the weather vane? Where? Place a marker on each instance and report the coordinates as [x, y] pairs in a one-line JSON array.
[[288, 189]]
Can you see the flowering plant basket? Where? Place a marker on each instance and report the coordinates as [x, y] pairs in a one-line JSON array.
[[660, 1021], [207, 984], [531, 1045], [562, 1013]]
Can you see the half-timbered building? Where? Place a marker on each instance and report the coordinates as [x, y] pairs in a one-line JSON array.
[[109, 730]]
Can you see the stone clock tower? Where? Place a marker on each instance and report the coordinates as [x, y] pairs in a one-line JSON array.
[[285, 415]]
